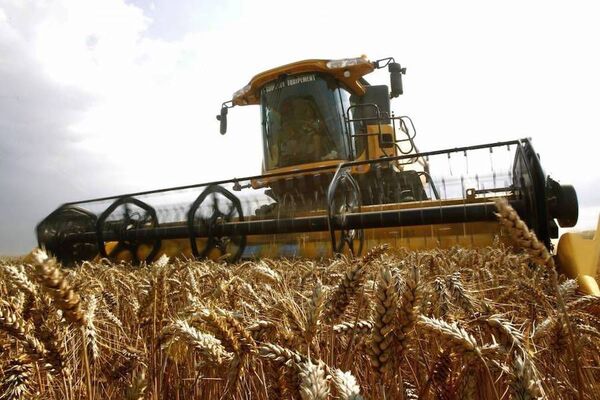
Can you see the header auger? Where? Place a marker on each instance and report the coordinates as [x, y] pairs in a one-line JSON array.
[[341, 173]]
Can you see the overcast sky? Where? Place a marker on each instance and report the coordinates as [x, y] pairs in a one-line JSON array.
[[101, 97]]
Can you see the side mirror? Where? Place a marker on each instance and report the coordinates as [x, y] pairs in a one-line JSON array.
[[222, 118], [396, 72]]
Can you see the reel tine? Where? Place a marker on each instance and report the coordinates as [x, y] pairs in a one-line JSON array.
[[231, 210], [303, 202], [445, 190], [126, 214], [492, 168], [215, 202]]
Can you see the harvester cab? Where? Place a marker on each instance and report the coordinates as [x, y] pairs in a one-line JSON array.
[[341, 173], [320, 113]]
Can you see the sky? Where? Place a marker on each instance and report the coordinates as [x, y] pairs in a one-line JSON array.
[[101, 97]]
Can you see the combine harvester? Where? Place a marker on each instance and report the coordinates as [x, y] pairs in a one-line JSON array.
[[341, 173]]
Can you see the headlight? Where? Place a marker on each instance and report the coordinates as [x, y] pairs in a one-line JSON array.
[[347, 62]]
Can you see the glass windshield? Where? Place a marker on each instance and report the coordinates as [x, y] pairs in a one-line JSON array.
[[302, 122]]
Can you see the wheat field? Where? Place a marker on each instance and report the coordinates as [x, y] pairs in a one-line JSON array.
[[491, 323]]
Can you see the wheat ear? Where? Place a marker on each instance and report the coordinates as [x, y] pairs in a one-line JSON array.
[[280, 355], [263, 273], [456, 338], [314, 384], [261, 329], [506, 332], [362, 327], [345, 385], [349, 285], [345, 292], [13, 325], [91, 340], [408, 311], [21, 281], [524, 386], [382, 338], [441, 299], [439, 376], [55, 351], [315, 310], [458, 292], [16, 379], [521, 234], [587, 303], [210, 347], [54, 282]]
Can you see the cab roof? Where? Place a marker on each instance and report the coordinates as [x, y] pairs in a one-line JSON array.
[[348, 71]]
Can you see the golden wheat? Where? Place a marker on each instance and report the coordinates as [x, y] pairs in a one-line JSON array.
[[430, 324]]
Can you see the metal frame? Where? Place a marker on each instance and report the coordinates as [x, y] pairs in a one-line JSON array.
[[380, 117], [527, 201], [347, 236], [131, 246], [217, 217]]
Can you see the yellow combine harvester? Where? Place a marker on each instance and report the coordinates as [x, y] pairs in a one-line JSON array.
[[341, 173]]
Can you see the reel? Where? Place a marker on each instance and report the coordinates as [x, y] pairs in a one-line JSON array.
[[213, 207]]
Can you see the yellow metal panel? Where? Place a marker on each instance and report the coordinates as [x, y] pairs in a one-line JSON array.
[[317, 245], [355, 72], [375, 151], [579, 258]]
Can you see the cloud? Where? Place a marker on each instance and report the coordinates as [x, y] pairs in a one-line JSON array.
[[43, 156], [34, 118], [90, 106]]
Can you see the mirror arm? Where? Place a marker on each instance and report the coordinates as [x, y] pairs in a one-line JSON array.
[[382, 63]]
